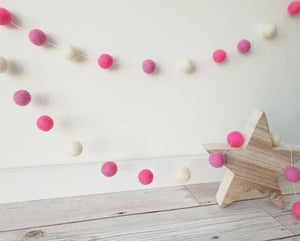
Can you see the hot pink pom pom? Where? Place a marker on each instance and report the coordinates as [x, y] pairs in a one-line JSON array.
[[296, 209], [109, 169], [145, 177], [216, 159], [294, 8], [219, 56], [149, 66], [45, 123], [22, 97], [5, 16], [37, 37], [243, 46], [105, 61], [292, 174], [235, 139]]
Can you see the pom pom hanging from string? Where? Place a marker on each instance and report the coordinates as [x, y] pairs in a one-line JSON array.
[[22, 97], [148, 66], [3, 64], [269, 31], [105, 61], [5, 16], [109, 169], [145, 177], [243, 46], [75, 148], [235, 139], [38, 37], [183, 174], [294, 8], [45, 123], [219, 56]]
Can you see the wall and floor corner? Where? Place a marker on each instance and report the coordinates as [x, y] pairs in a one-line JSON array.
[[157, 121]]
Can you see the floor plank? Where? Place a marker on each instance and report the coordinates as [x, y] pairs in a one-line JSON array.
[[72, 209], [293, 238], [205, 192], [240, 221], [286, 216]]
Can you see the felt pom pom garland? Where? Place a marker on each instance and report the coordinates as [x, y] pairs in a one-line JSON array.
[[105, 61]]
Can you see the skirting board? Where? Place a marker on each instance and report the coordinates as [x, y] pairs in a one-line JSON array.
[[44, 182]]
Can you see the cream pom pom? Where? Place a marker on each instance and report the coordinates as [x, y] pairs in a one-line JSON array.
[[71, 53], [75, 148], [275, 138], [186, 66], [3, 64], [269, 31], [183, 174]]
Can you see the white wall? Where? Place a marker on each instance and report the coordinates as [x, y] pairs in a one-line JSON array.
[[123, 114]]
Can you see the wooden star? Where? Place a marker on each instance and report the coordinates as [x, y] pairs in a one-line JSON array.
[[254, 165]]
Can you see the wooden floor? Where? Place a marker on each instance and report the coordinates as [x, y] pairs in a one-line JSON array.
[[173, 213]]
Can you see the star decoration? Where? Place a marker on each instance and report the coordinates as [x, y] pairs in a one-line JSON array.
[[254, 165]]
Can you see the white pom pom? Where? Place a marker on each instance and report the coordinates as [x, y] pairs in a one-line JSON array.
[[71, 53], [3, 64], [75, 148], [275, 138], [269, 31], [183, 174], [186, 66]]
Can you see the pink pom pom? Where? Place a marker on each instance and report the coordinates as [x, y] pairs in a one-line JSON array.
[[296, 209], [294, 8], [5, 16], [292, 174], [235, 139], [105, 61], [22, 97], [45, 123], [243, 46], [37, 37], [216, 159], [109, 169], [219, 56], [148, 66], [145, 177]]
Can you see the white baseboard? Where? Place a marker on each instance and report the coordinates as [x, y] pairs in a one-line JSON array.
[[43, 182]]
